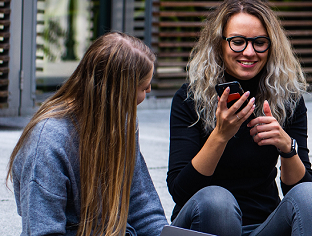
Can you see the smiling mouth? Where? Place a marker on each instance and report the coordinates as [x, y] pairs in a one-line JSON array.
[[248, 63]]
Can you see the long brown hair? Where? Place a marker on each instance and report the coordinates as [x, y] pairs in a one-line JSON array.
[[101, 98], [282, 82]]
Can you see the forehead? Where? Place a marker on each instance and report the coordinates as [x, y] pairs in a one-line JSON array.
[[244, 24]]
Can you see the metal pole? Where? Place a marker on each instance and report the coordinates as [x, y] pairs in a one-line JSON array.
[[148, 23]]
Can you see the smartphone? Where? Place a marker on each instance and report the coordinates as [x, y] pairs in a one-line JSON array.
[[236, 91]]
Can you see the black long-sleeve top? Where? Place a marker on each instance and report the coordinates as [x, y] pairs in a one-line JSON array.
[[247, 170]]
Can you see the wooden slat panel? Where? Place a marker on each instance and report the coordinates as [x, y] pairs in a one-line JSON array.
[[187, 4], [173, 54], [178, 24], [301, 41], [171, 63], [180, 14], [293, 14], [176, 34], [5, 22], [4, 58], [290, 4], [4, 70], [4, 46], [4, 93], [5, 34], [4, 82], [5, 10], [299, 32], [304, 60], [172, 75], [307, 70], [303, 51], [176, 44], [295, 23]]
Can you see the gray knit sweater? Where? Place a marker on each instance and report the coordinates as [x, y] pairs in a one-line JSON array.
[[47, 185]]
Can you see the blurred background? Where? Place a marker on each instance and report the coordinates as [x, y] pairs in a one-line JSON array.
[[42, 41]]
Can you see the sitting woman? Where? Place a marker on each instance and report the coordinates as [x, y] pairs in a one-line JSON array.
[[222, 163], [77, 168]]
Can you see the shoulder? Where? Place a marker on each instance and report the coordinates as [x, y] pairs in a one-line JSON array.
[[298, 115], [300, 108], [182, 98], [181, 94], [50, 151], [52, 136], [301, 105], [54, 128], [183, 103]]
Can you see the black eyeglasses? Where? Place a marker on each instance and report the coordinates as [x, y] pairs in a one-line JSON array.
[[239, 43]]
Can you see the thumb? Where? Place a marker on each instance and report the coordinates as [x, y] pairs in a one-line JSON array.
[[266, 108]]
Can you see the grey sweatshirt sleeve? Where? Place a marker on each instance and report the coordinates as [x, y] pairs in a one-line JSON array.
[[146, 214], [45, 185]]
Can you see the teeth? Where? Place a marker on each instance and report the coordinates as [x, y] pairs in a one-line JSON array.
[[246, 63]]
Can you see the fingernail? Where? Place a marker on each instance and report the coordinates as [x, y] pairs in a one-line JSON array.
[[247, 94], [252, 99]]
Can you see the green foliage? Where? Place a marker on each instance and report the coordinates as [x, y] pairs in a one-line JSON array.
[[52, 36]]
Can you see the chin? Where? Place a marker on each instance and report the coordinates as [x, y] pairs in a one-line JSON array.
[[246, 76]]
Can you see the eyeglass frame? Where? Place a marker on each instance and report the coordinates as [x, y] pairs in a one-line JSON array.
[[246, 40]]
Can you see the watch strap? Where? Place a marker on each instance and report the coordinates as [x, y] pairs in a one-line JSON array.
[[292, 152]]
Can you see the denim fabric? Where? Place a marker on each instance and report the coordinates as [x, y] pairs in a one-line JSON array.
[[214, 210], [130, 231]]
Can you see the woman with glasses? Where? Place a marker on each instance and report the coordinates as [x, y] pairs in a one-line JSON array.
[[222, 163]]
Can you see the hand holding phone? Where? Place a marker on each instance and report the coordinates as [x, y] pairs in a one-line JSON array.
[[236, 91]]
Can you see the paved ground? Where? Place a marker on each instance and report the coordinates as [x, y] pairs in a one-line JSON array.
[[154, 142]]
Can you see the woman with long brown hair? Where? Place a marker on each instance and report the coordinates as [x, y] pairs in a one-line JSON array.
[[77, 167]]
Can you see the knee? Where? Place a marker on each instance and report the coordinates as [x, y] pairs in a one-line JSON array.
[[302, 193], [215, 198]]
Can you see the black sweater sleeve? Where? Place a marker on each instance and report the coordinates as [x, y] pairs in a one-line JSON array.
[[297, 129], [186, 140]]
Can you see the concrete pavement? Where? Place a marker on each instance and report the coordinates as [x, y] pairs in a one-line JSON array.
[[154, 141]]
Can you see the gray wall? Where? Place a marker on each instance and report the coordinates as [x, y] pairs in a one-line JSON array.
[[22, 59]]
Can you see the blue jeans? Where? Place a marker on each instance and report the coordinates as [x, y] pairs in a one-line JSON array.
[[130, 231], [214, 210]]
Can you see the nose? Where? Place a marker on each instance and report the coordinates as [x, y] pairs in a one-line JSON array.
[[149, 89], [249, 50]]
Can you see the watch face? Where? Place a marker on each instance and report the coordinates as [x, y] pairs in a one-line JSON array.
[[294, 145]]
